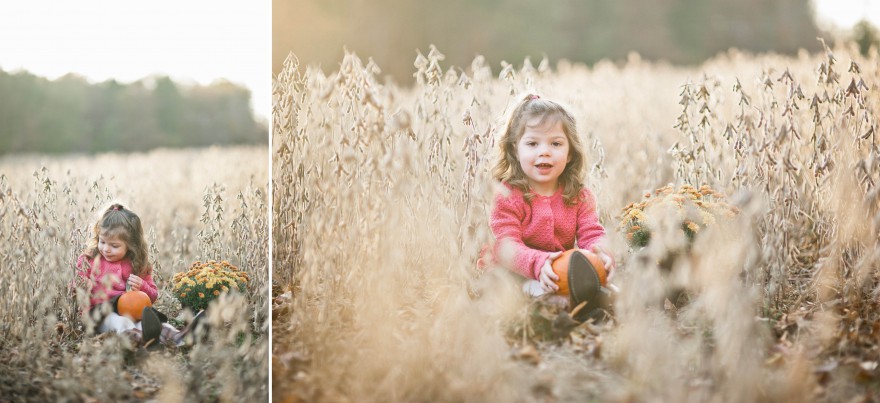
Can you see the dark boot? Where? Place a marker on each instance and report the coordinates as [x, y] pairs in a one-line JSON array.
[[162, 317], [583, 281], [152, 328]]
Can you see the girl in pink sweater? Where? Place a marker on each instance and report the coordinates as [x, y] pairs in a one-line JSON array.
[[114, 262], [547, 208]]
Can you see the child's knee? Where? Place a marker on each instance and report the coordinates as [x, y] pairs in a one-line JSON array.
[[116, 323], [533, 288]]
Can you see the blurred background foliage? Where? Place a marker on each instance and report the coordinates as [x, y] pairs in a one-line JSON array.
[[866, 36], [70, 114], [677, 31]]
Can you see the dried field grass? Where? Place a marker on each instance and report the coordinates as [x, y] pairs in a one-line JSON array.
[[195, 205], [381, 204]]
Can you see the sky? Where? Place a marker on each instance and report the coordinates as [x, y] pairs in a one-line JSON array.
[[843, 14], [191, 41]]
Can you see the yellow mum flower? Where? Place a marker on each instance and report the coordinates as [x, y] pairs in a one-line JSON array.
[[708, 218], [709, 204]]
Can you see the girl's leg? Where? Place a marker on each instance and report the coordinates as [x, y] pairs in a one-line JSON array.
[[533, 288], [169, 334], [114, 322]]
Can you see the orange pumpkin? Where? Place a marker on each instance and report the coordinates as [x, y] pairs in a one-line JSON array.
[[132, 304], [560, 267]]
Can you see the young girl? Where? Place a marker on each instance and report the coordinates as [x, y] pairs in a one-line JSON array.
[[117, 258], [548, 209]]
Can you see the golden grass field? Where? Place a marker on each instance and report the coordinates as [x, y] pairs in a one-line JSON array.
[[381, 201], [196, 204]]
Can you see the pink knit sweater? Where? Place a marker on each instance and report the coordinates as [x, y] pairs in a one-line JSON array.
[[116, 275], [546, 225]]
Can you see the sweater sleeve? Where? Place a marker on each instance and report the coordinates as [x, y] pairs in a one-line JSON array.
[[589, 231], [83, 266], [506, 222], [82, 272], [149, 286]]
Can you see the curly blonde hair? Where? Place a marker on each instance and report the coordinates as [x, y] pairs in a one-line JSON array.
[[507, 167], [118, 220]]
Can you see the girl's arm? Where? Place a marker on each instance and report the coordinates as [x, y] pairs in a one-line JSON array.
[[506, 223], [81, 276], [83, 266], [148, 286], [589, 232]]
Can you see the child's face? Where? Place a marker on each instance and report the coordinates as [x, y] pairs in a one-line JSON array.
[[542, 152], [112, 247]]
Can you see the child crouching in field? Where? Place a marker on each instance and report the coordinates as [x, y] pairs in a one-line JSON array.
[[115, 261], [548, 209]]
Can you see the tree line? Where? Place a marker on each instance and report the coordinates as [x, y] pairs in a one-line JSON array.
[[71, 114], [677, 31]]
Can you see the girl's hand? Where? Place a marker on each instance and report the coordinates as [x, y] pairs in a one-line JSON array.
[[547, 277], [607, 260], [135, 282]]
